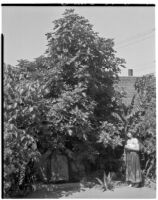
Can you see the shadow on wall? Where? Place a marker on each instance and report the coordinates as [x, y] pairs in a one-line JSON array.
[[56, 167]]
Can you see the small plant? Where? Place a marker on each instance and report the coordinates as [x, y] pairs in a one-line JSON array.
[[107, 183]]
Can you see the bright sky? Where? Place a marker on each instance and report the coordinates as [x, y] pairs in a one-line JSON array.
[[133, 30]]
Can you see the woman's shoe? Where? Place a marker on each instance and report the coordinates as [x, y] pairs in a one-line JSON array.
[[136, 185]]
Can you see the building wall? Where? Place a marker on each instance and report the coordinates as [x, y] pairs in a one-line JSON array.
[[127, 84]]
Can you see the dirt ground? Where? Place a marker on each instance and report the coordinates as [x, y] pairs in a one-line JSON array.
[[78, 190], [118, 193]]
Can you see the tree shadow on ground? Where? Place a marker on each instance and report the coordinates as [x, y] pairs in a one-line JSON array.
[[59, 190]]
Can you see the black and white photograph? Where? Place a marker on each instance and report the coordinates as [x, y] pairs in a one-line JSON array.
[[79, 101]]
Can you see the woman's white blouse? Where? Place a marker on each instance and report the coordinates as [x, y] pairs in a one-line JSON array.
[[133, 143]]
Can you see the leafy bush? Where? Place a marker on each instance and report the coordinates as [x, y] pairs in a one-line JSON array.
[[19, 145], [110, 135]]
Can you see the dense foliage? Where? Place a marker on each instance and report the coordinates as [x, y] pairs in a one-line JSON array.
[[146, 128], [19, 144]]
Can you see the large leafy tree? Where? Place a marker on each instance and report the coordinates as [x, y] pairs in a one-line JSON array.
[[79, 59], [83, 69]]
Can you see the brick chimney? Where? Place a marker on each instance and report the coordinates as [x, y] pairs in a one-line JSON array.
[[130, 72]]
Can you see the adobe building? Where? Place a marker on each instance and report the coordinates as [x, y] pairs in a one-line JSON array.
[[127, 84]]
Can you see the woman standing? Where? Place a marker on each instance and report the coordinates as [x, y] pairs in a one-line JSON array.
[[133, 170]]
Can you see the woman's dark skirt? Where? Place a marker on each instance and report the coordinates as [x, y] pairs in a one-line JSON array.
[[133, 170]]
